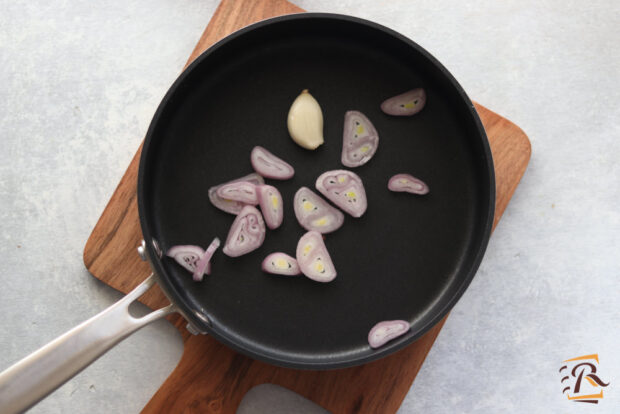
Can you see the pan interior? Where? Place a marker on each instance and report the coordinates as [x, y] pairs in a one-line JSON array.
[[408, 257]]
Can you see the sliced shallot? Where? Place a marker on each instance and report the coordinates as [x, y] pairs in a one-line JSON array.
[[360, 139], [271, 205], [246, 234], [407, 183], [385, 331], [270, 166], [405, 104], [313, 258], [230, 206], [193, 258], [202, 267], [314, 213], [242, 191], [281, 264], [204, 264], [345, 189], [186, 255]]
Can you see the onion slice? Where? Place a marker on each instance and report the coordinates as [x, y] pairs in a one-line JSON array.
[[314, 213], [281, 264], [230, 206], [345, 189], [385, 331], [242, 191], [204, 264], [313, 258], [405, 104], [246, 234], [360, 139], [271, 205], [270, 166], [193, 258], [201, 269], [407, 183], [186, 255]]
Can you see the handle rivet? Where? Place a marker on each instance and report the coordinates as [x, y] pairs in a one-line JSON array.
[[142, 250]]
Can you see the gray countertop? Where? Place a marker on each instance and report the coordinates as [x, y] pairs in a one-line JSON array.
[[79, 82]]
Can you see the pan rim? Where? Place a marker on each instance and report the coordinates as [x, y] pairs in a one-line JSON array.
[[171, 291]]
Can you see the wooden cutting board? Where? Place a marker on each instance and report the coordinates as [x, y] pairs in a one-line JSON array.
[[211, 378]]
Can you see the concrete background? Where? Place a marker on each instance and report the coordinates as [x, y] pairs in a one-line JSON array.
[[80, 80]]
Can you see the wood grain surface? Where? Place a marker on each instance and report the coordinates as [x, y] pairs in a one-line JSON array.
[[211, 378]]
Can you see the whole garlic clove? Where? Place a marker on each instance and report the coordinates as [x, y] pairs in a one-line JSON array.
[[305, 121]]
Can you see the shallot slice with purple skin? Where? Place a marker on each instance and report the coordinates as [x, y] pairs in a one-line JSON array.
[[204, 264], [281, 264], [230, 206], [186, 255], [385, 331], [271, 205], [246, 234], [407, 183], [345, 189], [405, 104], [314, 213], [313, 258], [201, 268], [270, 166], [242, 191], [360, 139]]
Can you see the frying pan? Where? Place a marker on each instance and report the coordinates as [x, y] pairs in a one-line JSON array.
[[408, 257]]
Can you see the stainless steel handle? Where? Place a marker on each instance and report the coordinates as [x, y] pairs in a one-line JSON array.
[[34, 377]]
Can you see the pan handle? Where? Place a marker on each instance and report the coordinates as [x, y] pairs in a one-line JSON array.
[[34, 377]]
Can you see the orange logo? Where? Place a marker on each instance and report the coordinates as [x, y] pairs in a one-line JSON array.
[[580, 380]]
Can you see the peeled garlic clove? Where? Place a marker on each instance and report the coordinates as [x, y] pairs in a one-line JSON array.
[[305, 121]]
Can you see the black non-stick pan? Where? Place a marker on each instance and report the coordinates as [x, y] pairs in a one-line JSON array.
[[409, 257]]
